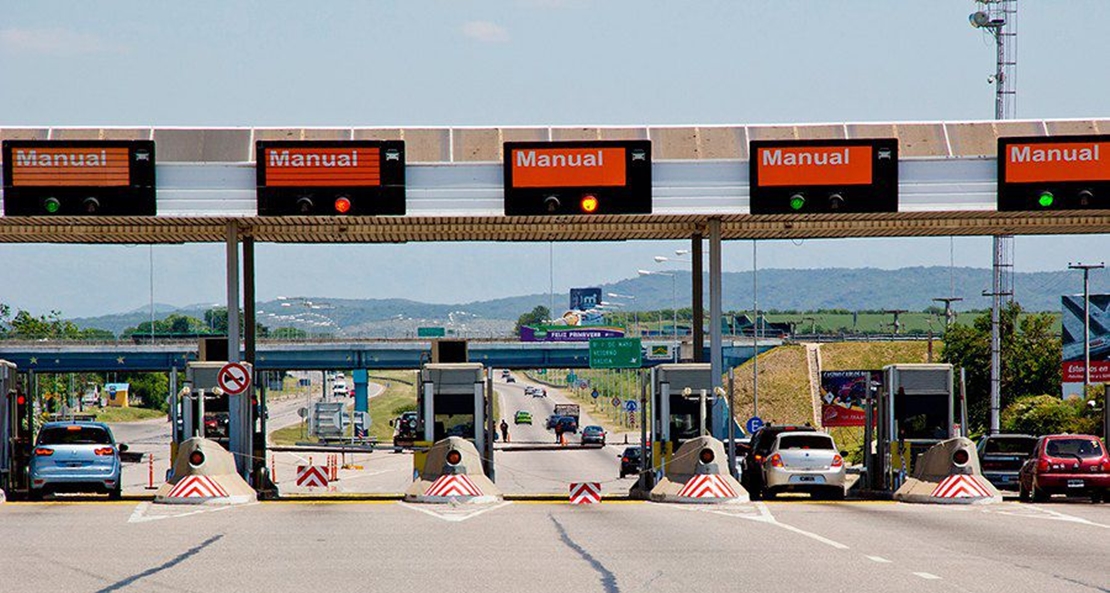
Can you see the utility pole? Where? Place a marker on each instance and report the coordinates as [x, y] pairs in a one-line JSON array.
[[897, 325], [1087, 330], [948, 315], [999, 19]]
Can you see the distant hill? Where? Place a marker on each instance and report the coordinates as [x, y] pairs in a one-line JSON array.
[[801, 290]]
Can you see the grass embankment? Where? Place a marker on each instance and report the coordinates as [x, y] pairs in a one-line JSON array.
[[128, 414], [850, 356], [609, 383]]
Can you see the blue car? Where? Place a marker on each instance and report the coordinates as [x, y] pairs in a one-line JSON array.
[[75, 457]]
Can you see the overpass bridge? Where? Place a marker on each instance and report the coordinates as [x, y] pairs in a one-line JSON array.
[[66, 357]]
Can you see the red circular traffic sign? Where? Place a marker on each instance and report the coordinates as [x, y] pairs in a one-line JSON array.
[[233, 378]]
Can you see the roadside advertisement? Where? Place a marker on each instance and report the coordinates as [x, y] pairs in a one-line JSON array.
[[584, 299], [565, 333], [1071, 369], [843, 394]]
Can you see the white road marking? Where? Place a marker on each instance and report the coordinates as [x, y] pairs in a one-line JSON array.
[[454, 515], [765, 516], [927, 576], [139, 515], [1069, 518], [878, 559]]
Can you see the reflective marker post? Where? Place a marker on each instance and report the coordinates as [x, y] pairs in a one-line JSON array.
[[731, 424]]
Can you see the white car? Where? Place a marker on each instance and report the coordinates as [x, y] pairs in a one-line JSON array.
[[804, 462]]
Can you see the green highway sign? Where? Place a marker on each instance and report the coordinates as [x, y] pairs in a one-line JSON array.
[[430, 332], [615, 353]]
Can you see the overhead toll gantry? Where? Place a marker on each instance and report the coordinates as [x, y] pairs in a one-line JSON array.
[[945, 178]]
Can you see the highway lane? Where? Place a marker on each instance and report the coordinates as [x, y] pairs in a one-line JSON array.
[[550, 471], [780, 547]]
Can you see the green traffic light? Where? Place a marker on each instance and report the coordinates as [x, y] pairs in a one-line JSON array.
[[51, 205], [797, 202], [1046, 199]]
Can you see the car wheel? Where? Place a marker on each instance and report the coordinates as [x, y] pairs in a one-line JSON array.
[[769, 494], [1039, 495], [835, 493], [35, 495], [1097, 496], [115, 493], [1023, 494]]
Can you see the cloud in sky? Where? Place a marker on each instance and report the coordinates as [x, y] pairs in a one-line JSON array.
[[485, 31], [55, 41]]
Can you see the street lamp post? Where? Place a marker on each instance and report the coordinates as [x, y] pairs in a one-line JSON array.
[[674, 304], [1087, 333], [635, 313]]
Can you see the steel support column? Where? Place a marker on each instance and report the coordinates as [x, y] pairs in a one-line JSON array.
[[697, 300], [715, 352]]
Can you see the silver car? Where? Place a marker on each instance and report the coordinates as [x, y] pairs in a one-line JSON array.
[[75, 457], [804, 462]]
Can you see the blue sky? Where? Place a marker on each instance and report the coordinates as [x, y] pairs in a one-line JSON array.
[[542, 62]]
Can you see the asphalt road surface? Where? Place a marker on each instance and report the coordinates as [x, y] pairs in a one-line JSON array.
[[785, 547], [550, 471]]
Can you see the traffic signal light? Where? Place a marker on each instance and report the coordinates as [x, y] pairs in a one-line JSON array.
[[583, 178], [823, 176], [79, 178], [1057, 173], [332, 178]]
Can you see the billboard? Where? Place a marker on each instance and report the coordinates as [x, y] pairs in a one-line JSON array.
[[567, 333], [1072, 341], [843, 394], [584, 299]]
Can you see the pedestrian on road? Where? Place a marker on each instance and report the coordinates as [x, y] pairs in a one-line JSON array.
[[558, 433], [504, 430]]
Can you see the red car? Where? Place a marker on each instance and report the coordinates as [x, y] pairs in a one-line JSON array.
[[1069, 464]]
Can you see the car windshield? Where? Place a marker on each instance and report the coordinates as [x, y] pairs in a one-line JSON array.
[[1073, 447], [806, 441], [1011, 445], [74, 435], [592, 429], [630, 452]]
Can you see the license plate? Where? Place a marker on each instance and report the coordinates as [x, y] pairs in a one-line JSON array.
[[1075, 483], [806, 479]]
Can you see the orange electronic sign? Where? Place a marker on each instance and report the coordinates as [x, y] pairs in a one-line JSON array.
[[823, 176], [70, 178], [603, 177], [1054, 173], [331, 177]]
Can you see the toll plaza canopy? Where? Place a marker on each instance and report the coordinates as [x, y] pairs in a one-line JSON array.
[[206, 181]]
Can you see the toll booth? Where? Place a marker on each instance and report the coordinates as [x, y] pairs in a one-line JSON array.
[[202, 409], [451, 401], [916, 410], [682, 407], [16, 431]]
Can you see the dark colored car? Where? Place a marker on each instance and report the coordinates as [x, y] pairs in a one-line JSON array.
[[1001, 457], [567, 424], [405, 430], [593, 435], [751, 464], [630, 461], [552, 420], [1069, 464]]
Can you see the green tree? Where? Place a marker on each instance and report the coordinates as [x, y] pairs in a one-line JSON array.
[[150, 388], [1030, 353], [536, 316], [1048, 414], [216, 320]]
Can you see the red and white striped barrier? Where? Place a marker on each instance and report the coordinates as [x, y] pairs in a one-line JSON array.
[[312, 476], [585, 492]]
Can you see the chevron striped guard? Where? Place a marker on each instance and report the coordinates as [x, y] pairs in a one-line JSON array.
[[197, 487], [707, 486], [961, 486], [453, 485]]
